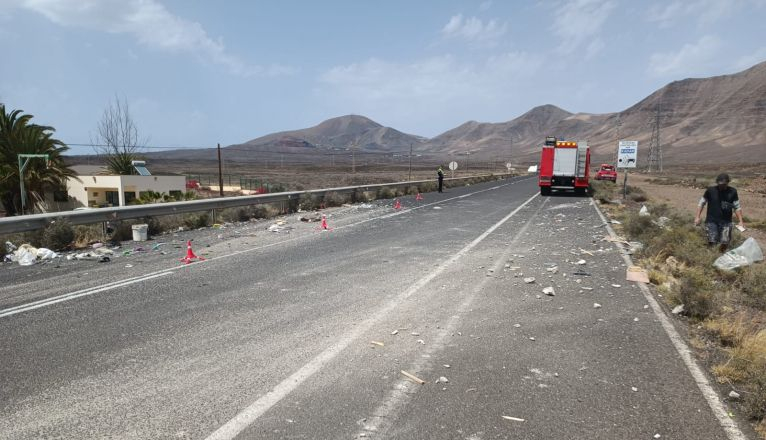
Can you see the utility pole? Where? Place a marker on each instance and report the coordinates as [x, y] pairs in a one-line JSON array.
[[22, 166], [410, 177], [655, 148], [353, 159], [220, 173], [619, 130]]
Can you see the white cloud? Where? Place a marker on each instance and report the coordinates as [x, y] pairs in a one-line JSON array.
[[150, 23], [704, 12], [474, 29], [748, 61], [579, 22], [691, 59]]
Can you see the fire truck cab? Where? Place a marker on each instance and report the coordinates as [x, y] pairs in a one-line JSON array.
[[564, 165]]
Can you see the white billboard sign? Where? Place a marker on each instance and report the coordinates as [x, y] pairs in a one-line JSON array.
[[627, 154]]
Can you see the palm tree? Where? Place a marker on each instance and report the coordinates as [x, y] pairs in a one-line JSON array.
[[19, 136]]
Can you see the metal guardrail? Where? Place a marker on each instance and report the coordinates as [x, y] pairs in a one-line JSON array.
[[9, 225]]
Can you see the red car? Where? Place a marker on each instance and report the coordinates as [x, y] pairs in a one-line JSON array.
[[607, 172]]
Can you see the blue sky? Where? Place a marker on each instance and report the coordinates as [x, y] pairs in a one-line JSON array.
[[196, 73]]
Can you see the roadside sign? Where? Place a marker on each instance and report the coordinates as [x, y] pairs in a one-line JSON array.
[[453, 165], [627, 154], [508, 165]]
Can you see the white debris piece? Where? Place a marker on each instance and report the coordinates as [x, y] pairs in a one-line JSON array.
[[733, 395], [529, 280], [634, 389], [442, 379], [517, 325], [644, 211], [596, 305], [580, 262], [549, 291], [677, 309], [616, 285]]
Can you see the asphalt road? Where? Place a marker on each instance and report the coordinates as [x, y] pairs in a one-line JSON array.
[[304, 335]]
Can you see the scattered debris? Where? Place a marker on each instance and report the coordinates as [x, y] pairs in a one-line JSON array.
[[442, 379], [586, 252], [446, 366], [421, 342], [644, 211], [529, 280], [733, 395], [413, 378], [617, 286], [517, 325], [515, 419], [580, 262], [677, 310], [437, 207], [637, 274], [549, 291], [580, 273], [395, 332], [553, 269], [596, 305], [378, 343]]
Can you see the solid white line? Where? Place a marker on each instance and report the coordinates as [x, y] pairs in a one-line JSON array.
[[250, 414], [121, 283], [716, 405], [73, 295]]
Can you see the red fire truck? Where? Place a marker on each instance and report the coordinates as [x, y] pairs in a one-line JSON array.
[[564, 166]]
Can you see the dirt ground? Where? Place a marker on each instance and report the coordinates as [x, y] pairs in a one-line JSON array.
[[685, 199]]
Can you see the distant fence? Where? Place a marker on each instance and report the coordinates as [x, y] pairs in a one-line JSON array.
[[235, 181]]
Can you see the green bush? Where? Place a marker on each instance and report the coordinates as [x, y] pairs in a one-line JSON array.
[[58, 235]]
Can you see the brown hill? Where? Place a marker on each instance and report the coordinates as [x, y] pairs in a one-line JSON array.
[[706, 120], [702, 121]]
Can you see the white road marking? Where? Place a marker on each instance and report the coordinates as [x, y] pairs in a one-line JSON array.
[[719, 410], [386, 413], [247, 416], [121, 283], [80, 293]]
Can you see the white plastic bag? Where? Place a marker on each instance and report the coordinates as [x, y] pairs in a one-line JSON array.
[[25, 255], [644, 211], [745, 255], [46, 254]]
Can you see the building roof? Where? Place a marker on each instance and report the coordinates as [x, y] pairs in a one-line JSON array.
[[89, 170]]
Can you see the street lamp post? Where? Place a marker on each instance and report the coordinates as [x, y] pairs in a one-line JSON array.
[[23, 162]]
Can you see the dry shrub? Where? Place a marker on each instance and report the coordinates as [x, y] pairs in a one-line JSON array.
[[308, 202], [428, 187], [696, 293], [86, 234], [333, 198], [752, 284], [386, 193]]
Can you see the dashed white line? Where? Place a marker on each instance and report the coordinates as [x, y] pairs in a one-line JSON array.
[[247, 416]]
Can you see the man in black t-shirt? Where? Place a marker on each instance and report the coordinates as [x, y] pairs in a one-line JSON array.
[[721, 200]]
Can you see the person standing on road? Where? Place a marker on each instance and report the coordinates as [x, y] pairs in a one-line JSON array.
[[721, 200], [440, 174]]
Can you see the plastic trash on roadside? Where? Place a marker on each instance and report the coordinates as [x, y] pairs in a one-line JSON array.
[[745, 255], [25, 255], [644, 211], [46, 254]]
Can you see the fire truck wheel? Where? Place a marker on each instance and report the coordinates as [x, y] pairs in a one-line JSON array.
[[545, 190]]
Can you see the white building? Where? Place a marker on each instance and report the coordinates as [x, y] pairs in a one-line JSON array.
[[96, 189]]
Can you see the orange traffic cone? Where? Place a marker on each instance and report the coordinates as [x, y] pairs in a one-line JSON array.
[[397, 204], [418, 197], [190, 256], [323, 226]]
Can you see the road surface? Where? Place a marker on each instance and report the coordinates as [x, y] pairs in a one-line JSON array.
[[304, 335]]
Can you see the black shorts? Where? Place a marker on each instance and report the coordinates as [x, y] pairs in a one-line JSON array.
[[718, 232]]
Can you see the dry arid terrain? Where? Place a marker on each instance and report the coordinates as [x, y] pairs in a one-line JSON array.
[[684, 197]]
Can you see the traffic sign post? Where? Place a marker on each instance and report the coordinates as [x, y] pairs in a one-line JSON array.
[[627, 157], [452, 167]]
